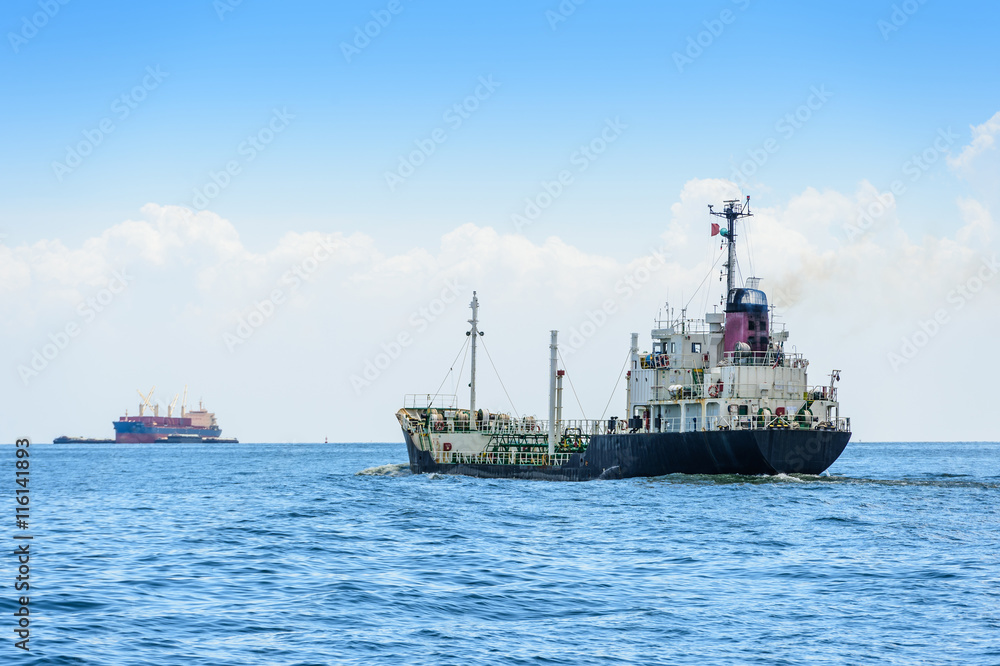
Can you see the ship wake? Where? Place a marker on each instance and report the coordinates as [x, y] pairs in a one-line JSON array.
[[400, 469]]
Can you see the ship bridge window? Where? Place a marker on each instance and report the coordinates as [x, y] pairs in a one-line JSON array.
[[695, 347], [752, 325]]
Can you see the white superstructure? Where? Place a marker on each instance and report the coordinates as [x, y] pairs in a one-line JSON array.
[[688, 382]]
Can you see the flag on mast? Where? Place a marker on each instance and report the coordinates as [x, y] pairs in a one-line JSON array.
[[715, 229]]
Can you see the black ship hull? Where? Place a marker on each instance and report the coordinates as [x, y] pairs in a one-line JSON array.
[[81, 440], [751, 452]]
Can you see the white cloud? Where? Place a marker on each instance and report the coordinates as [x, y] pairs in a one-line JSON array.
[[978, 163], [847, 304], [978, 228], [983, 142]]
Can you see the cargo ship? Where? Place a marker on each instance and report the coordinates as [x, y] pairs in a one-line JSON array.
[[194, 425], [719, 395]]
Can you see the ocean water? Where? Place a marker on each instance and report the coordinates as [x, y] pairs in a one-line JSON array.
[[335, 554]]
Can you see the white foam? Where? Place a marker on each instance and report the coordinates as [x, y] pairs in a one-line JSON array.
[[400, 469]]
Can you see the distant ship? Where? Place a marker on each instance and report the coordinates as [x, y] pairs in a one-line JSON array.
[[195, 425], [719, 395]]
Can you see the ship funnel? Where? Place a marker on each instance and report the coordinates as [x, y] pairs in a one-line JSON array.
[[747, 320]]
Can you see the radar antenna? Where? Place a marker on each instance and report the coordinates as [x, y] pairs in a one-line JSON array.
[[732, 211]]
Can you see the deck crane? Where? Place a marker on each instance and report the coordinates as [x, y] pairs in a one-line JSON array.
[[145, 401]]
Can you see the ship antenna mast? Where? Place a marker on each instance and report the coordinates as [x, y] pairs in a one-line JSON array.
[[475, 334], [732, 211]]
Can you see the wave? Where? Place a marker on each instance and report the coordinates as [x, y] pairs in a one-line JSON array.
[[398, 469], [935, 480]]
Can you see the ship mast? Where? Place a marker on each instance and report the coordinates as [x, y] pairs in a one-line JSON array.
[[472, 384], [553, 370], [733, 211]]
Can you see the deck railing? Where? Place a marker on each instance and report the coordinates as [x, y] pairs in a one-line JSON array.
[[773, 358], [696, 391], [503, 457], [429, 400], [537, 429]]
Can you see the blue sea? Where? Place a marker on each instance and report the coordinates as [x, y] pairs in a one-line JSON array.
[[336, 554]]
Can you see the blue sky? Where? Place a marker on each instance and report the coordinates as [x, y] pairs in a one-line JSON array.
[[889, 93], [557, 86]]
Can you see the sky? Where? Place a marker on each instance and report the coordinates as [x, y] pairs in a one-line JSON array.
[[286, 207]]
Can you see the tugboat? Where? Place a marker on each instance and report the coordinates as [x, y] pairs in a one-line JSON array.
[[713, 396]]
